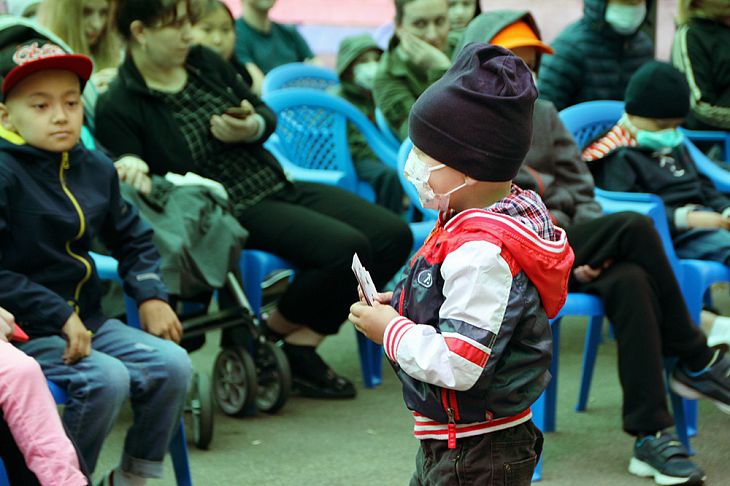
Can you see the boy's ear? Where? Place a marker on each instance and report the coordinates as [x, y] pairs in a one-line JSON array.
[[5, 118], [136, 28]]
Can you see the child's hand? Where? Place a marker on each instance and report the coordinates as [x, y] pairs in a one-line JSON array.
[[79, 340], [135, 172], [7, 324], [707, 219], [382, 297], [158, 319], [372, 321]]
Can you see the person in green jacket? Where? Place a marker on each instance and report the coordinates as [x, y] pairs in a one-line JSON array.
[[701, 52], [417, 56], [357, 64]]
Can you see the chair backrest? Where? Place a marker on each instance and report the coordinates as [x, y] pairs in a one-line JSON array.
[[385, 129], [588, 120], [312, 130], [408, 188], [298, 75]]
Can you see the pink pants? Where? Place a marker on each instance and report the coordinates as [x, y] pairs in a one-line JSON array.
[[33, 419]]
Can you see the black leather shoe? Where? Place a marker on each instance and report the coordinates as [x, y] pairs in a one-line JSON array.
[[313, 378]]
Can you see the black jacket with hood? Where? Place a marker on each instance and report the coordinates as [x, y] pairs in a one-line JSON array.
[[52, 205], [591, 60]]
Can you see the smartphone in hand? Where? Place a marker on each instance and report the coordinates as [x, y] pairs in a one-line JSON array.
[[239, 112]]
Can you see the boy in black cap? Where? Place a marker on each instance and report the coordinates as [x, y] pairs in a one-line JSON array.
[[644, 153], [466, 329], [55, 198]]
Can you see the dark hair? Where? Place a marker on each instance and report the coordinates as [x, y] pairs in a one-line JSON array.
[[400, 5], [208, 6], [149, 12]]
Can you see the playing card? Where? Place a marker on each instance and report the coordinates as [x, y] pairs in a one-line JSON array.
[[364, 279]]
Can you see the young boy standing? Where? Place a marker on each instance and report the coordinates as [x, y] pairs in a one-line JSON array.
[[55, 198], [467, 328]]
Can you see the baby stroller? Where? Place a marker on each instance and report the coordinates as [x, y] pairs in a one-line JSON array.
[[200, 244]]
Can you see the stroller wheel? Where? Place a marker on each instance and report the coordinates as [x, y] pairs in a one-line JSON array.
[[274, 377], [234, 380], [201, 410]]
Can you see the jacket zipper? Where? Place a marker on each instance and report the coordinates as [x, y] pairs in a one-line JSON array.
[[448, 401], [82, 229]]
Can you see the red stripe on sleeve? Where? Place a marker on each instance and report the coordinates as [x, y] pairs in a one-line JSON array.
[[467, 351]]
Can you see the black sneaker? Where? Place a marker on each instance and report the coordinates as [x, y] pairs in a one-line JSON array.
[[712, 383], [664, 458], [312, 377]]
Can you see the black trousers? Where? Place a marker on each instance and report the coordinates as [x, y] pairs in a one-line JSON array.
[[644, 303], [318, 228], [18, 472], [506, 457]]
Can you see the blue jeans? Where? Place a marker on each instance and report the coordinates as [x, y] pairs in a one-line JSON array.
[[124, 362], [703, 244]]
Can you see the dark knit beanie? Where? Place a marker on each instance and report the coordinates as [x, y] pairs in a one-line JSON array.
[[477, 118], [657, 90]]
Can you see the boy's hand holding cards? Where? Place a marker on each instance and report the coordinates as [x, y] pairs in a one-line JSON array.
[[366, 282]]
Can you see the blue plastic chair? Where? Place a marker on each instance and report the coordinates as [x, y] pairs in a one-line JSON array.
[[298, 75], [311, 132], [719, 176], [256, 265], [711, 136], [106, 267], [385, 129]]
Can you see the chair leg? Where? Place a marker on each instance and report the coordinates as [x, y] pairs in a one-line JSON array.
[[551, 392], [538, 418], [370, 361], [590, 350], [4, 481], [179, 455]]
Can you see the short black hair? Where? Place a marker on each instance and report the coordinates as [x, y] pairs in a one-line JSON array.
[[149, 12]]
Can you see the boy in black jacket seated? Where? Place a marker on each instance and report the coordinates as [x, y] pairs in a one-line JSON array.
[[55, 198], [643, 152]]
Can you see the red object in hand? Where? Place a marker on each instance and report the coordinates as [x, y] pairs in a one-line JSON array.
[[18, 334]]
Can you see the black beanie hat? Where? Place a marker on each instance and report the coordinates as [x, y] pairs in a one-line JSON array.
[[657, 90], [477, 118]]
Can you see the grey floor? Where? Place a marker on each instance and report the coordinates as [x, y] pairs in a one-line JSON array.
[[367, 441]]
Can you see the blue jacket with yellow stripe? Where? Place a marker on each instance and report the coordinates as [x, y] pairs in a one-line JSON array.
[[52, 206]]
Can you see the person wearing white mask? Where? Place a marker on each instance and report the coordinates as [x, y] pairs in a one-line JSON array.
[[357, 64], [596, 56]]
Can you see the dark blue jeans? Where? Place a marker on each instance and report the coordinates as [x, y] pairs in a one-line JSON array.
[[506, 457], [124, 362]]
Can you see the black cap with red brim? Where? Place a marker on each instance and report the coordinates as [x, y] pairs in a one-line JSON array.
[[21, 60]]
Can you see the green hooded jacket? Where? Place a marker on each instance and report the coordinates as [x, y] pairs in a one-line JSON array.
[[350, 49]]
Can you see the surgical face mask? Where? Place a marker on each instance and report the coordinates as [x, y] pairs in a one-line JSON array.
[[364, 74], [625, 19], [661, 139], [418, 173]]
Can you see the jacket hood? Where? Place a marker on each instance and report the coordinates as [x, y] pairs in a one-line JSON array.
[[594, 12], [487, 25], [351, 48], [547, 263]]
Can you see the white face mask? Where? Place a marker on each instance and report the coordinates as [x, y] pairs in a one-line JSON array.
[[364, 74], [418, 173], [625, 19]]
